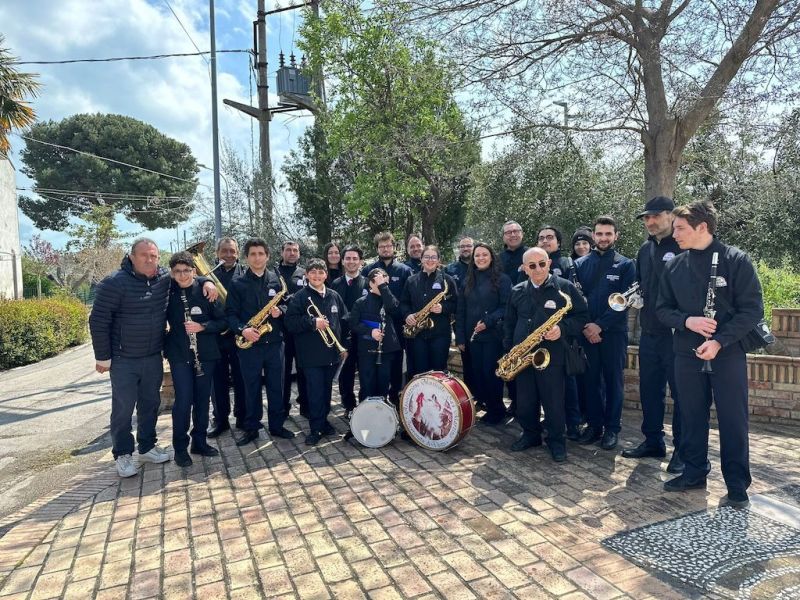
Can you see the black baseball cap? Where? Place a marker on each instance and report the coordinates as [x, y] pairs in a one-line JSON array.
[[657, 205]]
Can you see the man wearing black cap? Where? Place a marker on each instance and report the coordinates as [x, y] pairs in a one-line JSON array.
[[656, 357]]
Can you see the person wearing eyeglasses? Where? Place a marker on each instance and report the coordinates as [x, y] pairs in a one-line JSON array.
[[398, 276], [429, 349], [458, 268], [192, 388], [513, 249], [549, 240], [532, 303], [602, 272]]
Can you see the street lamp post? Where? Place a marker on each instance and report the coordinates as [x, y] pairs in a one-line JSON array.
[[565, 106]]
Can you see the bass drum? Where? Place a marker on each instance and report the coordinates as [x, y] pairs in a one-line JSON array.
[[437, 410], [374, 422]]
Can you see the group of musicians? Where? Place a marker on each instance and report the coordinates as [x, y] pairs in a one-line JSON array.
[[336, 317]]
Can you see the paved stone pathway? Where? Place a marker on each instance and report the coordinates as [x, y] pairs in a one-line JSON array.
[[343, 521]]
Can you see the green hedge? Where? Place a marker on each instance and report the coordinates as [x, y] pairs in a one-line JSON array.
[[781, 288], [31, 330]]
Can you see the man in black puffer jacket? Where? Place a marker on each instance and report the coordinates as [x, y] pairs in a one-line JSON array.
[[127, 324]]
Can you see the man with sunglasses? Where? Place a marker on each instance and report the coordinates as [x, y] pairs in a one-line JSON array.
[[532, 303], [602, 272]]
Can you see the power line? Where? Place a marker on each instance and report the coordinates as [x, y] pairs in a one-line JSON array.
[[177, 18], [131, 195], [111, 160], [121, 58]]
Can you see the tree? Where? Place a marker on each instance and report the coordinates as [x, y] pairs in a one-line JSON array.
[[70, 182], [655, 69], [40, 260], [15, 87], [394, 118]]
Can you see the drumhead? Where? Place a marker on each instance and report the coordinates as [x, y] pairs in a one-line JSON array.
[[374, 422], [431, 410]]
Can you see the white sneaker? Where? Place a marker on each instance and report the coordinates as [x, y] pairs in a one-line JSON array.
[[156, 454], [125, 466]]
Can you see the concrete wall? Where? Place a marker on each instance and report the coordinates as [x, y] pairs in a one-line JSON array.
[[10, 266]]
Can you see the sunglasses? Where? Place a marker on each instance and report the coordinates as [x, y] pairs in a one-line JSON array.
[[542, 264]]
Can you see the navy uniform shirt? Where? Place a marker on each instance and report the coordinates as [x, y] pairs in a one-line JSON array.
[[601, 275], [650, 262]]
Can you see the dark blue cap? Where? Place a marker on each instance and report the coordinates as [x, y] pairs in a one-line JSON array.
[[657, 205]]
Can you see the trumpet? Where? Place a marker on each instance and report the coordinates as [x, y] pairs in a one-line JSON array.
[[632, 297], [327, 335]]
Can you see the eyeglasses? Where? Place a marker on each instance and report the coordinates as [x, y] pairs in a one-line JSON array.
[[430, 257], [510, 231], [181, 271], [546, 238], [542, 264]]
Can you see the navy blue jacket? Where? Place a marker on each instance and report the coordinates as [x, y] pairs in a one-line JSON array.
[[248, 295], [397, 271], [562, 266], [415, 264], [612, 273], [512, 261], [366, 316], [226, 276], [650, 262], [529, 307], [129, 314], [293, 275], [484, 302], [420, 289], [458, 271], [350, 293], [683, 290], [209, 314], [311, 351]]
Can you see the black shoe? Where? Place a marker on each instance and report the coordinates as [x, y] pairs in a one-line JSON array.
[[248, 436], [240, 426], [492, 420], [348, 413], [644, 450], [573, 433], [609, 441], [675, 465], [479, 406], [312, 439], [303, 413], [282, 433], [218, 430], [734, 499], [681, 484], [559, 455], [204, 450], [590, 435], [328, 429], [182, 459], [526, 441]]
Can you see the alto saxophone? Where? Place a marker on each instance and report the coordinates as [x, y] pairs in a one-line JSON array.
[[523, 355], [260, 320], [423, 316]]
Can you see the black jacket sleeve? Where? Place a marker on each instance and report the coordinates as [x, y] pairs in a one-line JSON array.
[[450, 301], [504, 293], [509, 323], [390, 304], [574, 321], [233, 308], [461, 322], [297, 319], [748, 303], [667, 309], [612, 317], [107, 301], [217, 323]]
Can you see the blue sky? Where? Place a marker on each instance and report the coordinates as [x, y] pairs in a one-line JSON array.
[[173, 95]]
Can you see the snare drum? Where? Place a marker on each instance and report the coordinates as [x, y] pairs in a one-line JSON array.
[[374, 422], [437, 410]]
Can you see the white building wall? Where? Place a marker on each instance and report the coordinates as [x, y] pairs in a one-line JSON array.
[[10, 251]]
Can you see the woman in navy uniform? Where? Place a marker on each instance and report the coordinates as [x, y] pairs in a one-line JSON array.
[[479, 328], [429, 349], [192, 388], [372, 322]]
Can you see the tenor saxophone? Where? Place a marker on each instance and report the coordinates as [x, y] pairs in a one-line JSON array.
[[423, 316], [260, 320], [526, 354]]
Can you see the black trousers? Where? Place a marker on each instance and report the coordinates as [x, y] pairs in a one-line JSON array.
[[483, 383], [374, 379], [605, 372], [542, 389], [262, 365], [428, 354], [347, 378], [319, 382], [727, 388], [192, 395], [396, 380], [135, 383], [656, 369], [289, 354], [227, 374], [572, 402]]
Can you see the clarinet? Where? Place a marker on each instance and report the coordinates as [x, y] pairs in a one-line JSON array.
[[708, 310], [379, 351], [198, 368]]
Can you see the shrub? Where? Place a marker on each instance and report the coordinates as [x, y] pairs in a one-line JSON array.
[[31, 330], [781, 288]]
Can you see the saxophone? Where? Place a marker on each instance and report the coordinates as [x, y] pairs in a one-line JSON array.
[[260, 320], [423, 316], [522, 356]]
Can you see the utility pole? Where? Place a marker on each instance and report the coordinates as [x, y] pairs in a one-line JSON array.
[[215, 127]]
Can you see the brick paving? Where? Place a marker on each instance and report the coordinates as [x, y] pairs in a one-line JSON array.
[[343, 521]]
